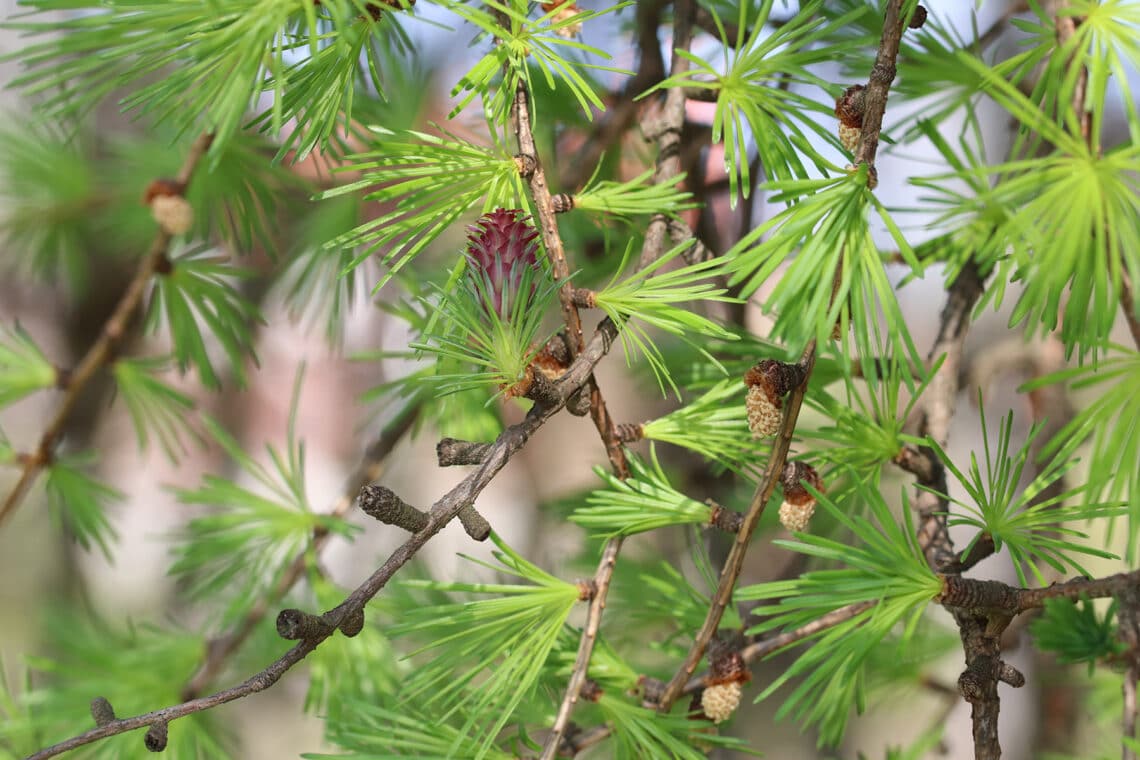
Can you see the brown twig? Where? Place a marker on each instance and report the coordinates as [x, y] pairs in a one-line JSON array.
[[981, 639], [258, 682], [371, 467], [735, 560], [875, 103], [1066, 27], [666, 129], [509, 442], [879, 85], [767, 646], [599, 413], [602, 577], [103, 350], [997, 598], [937, 407], [750, 653], [451, 452]]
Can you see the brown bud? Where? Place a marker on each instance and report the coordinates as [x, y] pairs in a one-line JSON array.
[[297, 625], [562, 202], [553, 359], [352, 624], [155, 739], [650, 689], [525, 164], [579, 402], [918, 19], [474, 524], [451, 452], [584, 298], [768, 381], [384, 505], [849, 109], [799, 503], [102, 711], [539, 388], [725, 519], [851, 105], [1011, 675], [163, 186], [725, 682], [725, 665], [591, 691], [629, 432]]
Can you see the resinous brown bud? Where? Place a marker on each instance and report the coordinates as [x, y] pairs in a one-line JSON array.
[[799, 502], [768, 382], [724, 685], [849, 109]]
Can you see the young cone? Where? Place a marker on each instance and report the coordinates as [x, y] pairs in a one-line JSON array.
[[499, 245], [849, 109], [724, 683], [768, 381], [799, 503]]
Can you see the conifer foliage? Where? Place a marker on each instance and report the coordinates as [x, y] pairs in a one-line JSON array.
[[556, 206]]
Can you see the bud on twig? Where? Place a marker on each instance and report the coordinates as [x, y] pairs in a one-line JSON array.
[[540, 389], [799, 503], [579, 402], [352, 623], [562, 203], [768, 382], [297, 625], [650, 689], [724, 683], [474, 524], [918, 19], [591, 691], [155, 739], [849, 109], [451, 452], [525, 164], [102, 711], [629, 432], [554, 357], [169, 206], [726, 519], [384, 505], [584, 298]]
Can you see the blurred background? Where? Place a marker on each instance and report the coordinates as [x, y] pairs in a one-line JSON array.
[[42, 571]]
